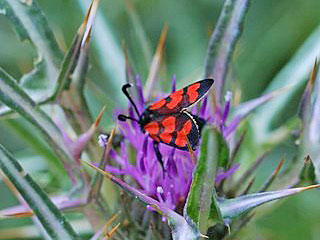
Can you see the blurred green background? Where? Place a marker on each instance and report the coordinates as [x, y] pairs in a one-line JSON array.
[[273, 31]]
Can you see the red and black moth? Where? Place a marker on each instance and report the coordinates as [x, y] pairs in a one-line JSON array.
[[168, 121]]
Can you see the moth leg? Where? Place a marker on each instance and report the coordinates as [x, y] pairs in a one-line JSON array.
[[158, 154]]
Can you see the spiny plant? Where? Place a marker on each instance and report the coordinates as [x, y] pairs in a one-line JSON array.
[[200, 194]]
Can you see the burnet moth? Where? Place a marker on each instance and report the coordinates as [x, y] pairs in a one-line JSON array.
[[168, 120]]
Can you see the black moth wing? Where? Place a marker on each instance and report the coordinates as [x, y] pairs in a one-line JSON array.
[[176, 129], [182, 98]]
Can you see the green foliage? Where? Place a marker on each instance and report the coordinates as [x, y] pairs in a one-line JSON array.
[[223, 40], [108, 50], [31, 24], [14, 96], [49, 216], [231, 208], [59, 93], [294, 76], [200, 204]]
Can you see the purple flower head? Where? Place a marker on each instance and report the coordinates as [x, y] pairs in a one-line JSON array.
[[171, 187]]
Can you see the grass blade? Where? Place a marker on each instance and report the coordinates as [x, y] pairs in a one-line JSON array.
[[26, 133], [234, 207], [223, 40], [312, 130], [244, 109], [14, 97], [199, 202], [248, 173], [96, 182], [18, 26], [109, 53], [50, 217], [33, 21], [155, 64], [295, 74], [305, 101], [140, 33], [61, 202], [272, 177], [72, 76], [30, 23]]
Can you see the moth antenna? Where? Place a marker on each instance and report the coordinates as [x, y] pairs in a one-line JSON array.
[[125, 91], [123, 118]]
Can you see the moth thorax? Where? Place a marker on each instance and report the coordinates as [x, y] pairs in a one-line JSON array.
[[145, 118]]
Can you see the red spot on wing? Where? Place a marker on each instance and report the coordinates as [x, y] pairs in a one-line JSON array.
[[169, 124], [176, 98], [155, 137], [152, 128], [192, 92], [166, 137], [158, 104], [181, 140]]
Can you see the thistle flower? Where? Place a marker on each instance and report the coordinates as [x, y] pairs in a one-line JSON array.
[[171, 188]]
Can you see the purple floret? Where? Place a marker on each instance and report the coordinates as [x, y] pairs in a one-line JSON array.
[[171, 188]]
